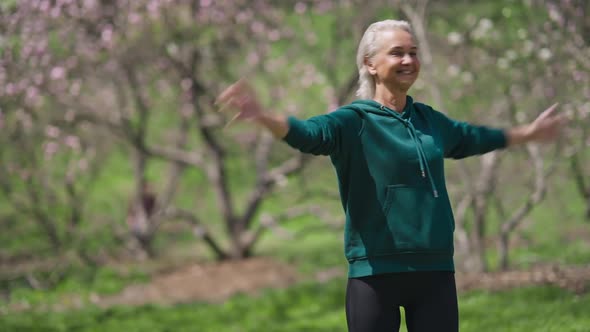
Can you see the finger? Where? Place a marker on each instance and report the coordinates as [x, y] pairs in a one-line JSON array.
[[224, 96], [224, 107], [227, 93], [549, 112], [229, 103], [235, 117]]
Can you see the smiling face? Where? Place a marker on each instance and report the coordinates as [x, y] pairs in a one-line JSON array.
[[395, 65]]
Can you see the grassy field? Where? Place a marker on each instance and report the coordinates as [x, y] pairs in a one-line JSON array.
[[314, 307]]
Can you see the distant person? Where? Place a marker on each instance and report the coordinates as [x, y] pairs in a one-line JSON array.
[[388, 153]]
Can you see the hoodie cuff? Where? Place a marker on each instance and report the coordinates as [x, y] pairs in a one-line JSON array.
[[296, 131], [499, 138]]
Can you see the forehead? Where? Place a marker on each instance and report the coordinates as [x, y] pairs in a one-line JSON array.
[[395, 38]]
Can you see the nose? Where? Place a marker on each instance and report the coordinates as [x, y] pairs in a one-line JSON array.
[[407, 59]]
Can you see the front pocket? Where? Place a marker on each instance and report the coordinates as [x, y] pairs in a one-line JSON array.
[[417, 221]]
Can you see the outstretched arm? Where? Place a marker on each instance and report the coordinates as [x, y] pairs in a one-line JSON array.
[[544, 129], [323, 134], [241, 97]]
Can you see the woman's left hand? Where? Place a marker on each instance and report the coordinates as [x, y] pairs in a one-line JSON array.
[[545, 128], [547, 125]]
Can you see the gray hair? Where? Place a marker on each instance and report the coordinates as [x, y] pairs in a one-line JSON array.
[[368, 47]]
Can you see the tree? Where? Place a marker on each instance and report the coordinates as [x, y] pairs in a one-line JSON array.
[[149, 72]]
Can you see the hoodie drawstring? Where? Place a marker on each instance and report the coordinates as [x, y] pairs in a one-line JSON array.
[[421, 156], [424, 168]]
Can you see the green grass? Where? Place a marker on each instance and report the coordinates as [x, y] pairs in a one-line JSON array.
[[78, 282], [313, 307], [527, 309]]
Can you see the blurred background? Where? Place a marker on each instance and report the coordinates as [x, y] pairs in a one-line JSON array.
[[126, 205]]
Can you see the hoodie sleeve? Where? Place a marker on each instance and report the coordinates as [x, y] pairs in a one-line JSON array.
[[462, 139], [325, 134]]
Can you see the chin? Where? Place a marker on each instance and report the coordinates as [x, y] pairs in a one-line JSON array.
[[405, 85]]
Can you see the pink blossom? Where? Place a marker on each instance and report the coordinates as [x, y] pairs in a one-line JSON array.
[[244, 16], [27, 50], [205, 3], [253, 58], [44, 6], [300, 8], [71, 62], [107, 34], [10, 89], [31, 95], [41, 46], [50, 149], [52, 131], [134, 18], [274, 35], [154, 9], [186, 84], [89, 4], [73, 11], [57, 73], [323, 6], [218, 16], [55, 12], [257, 27], [72, 142]]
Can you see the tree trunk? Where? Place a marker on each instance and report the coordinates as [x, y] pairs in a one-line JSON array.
[[479, 234]]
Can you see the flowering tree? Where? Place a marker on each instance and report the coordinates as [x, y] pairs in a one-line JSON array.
[[86, 83], [86, 76], [46, 171], [521, 75], [569, 30]]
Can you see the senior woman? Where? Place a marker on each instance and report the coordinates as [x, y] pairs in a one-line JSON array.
[[388, 152]]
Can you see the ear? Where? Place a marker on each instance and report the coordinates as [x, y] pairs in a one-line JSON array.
[[370, 66]]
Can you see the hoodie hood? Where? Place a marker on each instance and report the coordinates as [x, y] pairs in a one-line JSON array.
[[371, 106]]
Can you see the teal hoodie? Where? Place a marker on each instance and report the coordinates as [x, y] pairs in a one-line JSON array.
[[391, 178]]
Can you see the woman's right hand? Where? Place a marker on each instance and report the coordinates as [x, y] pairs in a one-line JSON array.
[[242, 98]]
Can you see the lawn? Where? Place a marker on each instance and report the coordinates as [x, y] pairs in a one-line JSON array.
[[314, 307]]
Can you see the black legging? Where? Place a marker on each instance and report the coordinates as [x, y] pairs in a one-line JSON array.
[[429, 300]]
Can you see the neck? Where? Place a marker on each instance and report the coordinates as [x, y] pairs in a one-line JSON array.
[[394, 99]]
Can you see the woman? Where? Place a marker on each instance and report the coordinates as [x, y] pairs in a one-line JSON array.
[[388, 153]]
